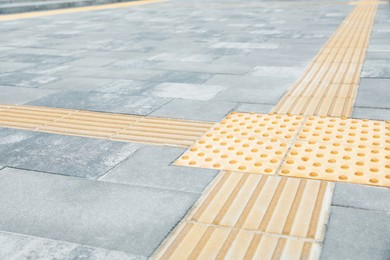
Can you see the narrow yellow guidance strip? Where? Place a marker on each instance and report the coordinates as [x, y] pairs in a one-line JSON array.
[[329, 85], [128, 128], [9, 17]]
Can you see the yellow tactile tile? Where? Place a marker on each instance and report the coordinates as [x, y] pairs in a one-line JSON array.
[[10, 17], [268, 204], [160, 131], [338, 162], [347, 131], [244, 142], [197, 241], [328, 86]]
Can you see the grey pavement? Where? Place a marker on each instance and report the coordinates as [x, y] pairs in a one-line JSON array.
[[66, 197]]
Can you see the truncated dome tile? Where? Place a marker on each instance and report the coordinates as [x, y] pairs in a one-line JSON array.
[[346, 131], [338, 162], [244, 142]]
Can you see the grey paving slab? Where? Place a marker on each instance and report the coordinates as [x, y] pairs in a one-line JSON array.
[[376, 69], [107, 102], [36, 58], [379, 55], [373, 92], [13, 66], [238, 81], [151, 166], [185, 91], [257, 108], [79, 83], [361, 196], [91, 62], [195, 110], [29, 80], [182, 77], [126, 87], [20, 95], [67, 155], [371, 113], [242, 94], [113, 216], [17, 246], [357, 234], [277, 72], [184, 58]]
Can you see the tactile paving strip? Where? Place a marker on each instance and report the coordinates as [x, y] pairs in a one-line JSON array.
[[328, 87], [244, 142], [17, 16], [196, 241], [252, 216], [160, 131]]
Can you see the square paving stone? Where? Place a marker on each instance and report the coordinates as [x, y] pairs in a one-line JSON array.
[[150, 166], [251, 95], [376, 69], [113, 216], [67, 155], [78, 84], [277, 72], [239, 81], [195, 110], [17, 246], [182, 77], [373, 92], [371, 113], [257, 108], [22, 79], [106, 102], [361, 196], [357, 234], [20, 95], [185, 91]]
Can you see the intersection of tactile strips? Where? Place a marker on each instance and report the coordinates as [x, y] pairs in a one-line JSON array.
[[334, 149], [244, 142]]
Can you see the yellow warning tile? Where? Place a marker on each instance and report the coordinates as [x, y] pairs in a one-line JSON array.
[[346, 131], [338, 162], [269, 204], [198, 241], [244, 142], [129, 128]]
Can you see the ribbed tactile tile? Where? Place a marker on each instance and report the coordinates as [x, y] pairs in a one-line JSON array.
[[244, 142], [120, 127], [269, 204], [196, 241]]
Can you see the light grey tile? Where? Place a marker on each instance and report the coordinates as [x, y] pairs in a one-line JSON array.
[[195, 110], [185, 91], [371, 113], [78, 84], [106, 102], [66, 155], [17, 246], [113, 216], [357, 234], [376, 69], [151, 166], [182, 77], [257, 108], [361, 196], [20, 95], [277, 72], [26, 80]]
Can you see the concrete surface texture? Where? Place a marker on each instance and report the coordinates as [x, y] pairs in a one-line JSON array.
[[69, 197]]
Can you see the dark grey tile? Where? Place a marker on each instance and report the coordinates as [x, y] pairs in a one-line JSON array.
[[113, 216], [66, 155], [22, 79], [376, 69], [361, 196], [357, 234], [150, 166]]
